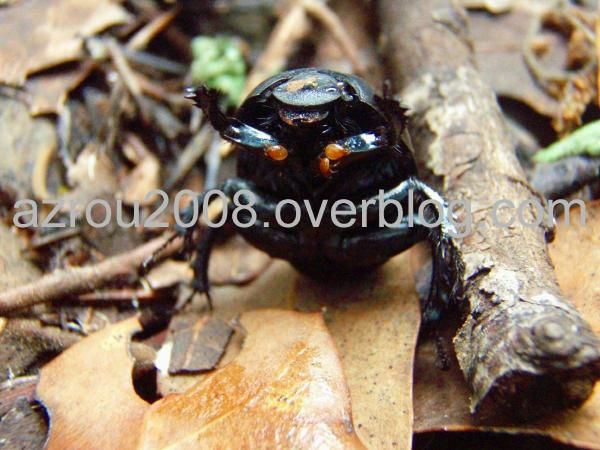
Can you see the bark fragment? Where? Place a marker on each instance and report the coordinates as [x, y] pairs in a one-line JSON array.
[[522, 344]]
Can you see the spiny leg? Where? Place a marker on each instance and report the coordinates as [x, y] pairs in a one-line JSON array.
[[447, 268], [231, 128], [200, 283], [392, 109], [279, 242]]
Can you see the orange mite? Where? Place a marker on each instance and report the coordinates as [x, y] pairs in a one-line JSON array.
[[335, 152], [276, 152], [324, 167]]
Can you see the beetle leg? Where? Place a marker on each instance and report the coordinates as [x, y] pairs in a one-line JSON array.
[[208, 100], [199, 260], [279, 242], [199, 263], [393, 110], [349, 148], [265, 232], [231, 128], [357, 144], [446, 280]]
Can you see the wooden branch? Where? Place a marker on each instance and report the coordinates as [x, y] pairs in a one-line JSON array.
[[522, 345]]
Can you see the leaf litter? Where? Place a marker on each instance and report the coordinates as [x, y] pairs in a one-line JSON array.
[[90, 377], [37, 34], [285, 389], [374, 323]]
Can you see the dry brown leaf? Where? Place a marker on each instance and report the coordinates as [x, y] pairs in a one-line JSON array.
[[198, 345], [169, 273], [236, 262], [272, 289], [37, 34], [441, 398], [93, 174], [95, 177], [23, 142], [284, 390], [144, 177], [233, 262], [89, 394], [26, 344], [15, 270], [498, 44], [576, 257], [375, 323], [47, 92], [22, 426]]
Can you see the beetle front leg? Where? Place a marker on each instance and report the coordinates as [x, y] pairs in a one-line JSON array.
[[230, 128]]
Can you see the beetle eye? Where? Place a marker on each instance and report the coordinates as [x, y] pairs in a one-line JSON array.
[[346, 93], [276, 152]]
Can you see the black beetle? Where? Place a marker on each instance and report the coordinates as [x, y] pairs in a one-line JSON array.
[[314, 135]]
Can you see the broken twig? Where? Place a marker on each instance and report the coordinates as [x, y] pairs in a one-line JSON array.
[[74, 281]]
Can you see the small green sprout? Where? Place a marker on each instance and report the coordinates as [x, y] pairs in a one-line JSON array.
[[218, 62]]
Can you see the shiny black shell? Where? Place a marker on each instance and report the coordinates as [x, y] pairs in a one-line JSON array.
[[356, 109]]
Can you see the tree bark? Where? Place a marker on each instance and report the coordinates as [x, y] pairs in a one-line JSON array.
[[522, 344]]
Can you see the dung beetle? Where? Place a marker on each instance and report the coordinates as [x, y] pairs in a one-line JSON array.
[[312, 135]]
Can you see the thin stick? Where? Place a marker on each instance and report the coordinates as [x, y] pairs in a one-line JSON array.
[[141, 39], [597, 30], [123, 68], [290, 30], [192, 152], [75, 281], [320, 11]]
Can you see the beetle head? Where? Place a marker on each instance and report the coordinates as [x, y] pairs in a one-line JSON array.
[[307, 98]]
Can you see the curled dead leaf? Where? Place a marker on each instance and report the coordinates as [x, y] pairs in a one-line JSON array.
[[144, 177], [37, 34], [233, 262], [198, 344], [374, 321], [24, 144], [14, 268], [498, 43], [47, 92], [236, 262], [89, 394]]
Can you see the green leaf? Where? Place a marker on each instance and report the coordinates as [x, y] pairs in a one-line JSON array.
[[583, 141]]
